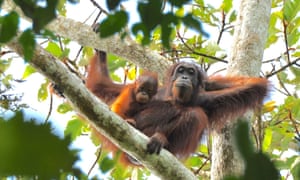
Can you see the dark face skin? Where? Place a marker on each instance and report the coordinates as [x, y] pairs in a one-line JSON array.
[[146, 88], [185, 80]]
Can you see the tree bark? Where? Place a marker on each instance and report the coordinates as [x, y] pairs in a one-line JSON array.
[[250, 35]]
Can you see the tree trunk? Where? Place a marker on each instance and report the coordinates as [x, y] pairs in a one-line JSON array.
[[250, 35]]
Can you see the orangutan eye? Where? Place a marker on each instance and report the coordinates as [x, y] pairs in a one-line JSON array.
[[191, 71], [180, 69]]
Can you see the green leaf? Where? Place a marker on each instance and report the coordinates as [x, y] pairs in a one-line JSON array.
[[28, 71], [9, 26], [267, 139], [113, 23], [74, 128], [191, 22], [243, 140], [112, 4], [259, 166], [120, 172], [131, 74], [226, 5], [284, 163], [88, 51], [193, 161], [54, 49], [293, 105], [165, 35], [116, 77], [4, 64], [43, 92], [283, 76], [115, 62], [64, 108], [28, 43], [232, 178], [295, 169], [211, 48], [140, 27], [291, 9], [29, 149], [150, 14], [293, 36], [295, 71], [272, 32], [7, 80], [40, 15], [142, 173], [167, 25], [178, 3], [61, 7], [179, 12], [50, 35], [107, 164], [232, 16]]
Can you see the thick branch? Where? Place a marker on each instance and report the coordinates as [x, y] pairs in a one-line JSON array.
[[117, 130], [84, 35], [126, 48]]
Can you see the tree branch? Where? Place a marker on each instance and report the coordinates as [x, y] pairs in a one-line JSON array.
[[84, 35], [289, 64]]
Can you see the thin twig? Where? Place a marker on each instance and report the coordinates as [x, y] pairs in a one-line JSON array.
[[199, 169], [198, 53], [283, 68], [96, 160], [283, 86], [50, 108], [99, 7], [285, 24], [294, 123], [2, 53], [222, 27]]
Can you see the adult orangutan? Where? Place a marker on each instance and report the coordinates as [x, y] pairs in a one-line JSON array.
[[188, 103], [178, 121]]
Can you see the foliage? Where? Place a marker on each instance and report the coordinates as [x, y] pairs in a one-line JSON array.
[[149, 21], [40, 15], [9, 24], [258, 165], [275, 130], [8, 99], [28, 149]]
